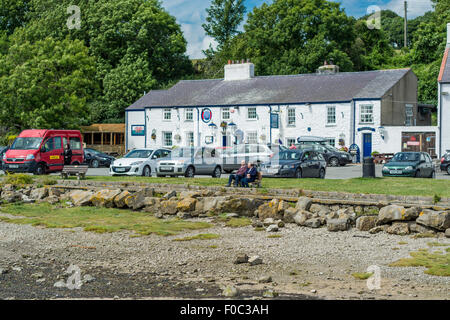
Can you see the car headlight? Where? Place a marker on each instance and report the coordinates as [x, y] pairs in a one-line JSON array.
[[386, 169], [4, 156], [30, 157], [410, 168], [136, 163]]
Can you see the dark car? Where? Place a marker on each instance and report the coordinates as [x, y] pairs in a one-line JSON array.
[[445, 162], [96, 159], [410, 164], [296, 164], [2, 153], [333, 156]]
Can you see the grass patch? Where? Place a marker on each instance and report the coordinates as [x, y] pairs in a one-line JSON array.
[[394, 186], [437, 263], [238, 222], [98, 220], [362, 275], [259, 229], [213, 246], [201, 236], [437, 244], [274, 236], [402, 243], [424, 235], [305, 284]]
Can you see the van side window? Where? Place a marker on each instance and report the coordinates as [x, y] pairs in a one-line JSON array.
[[57, 143], [75, 143]]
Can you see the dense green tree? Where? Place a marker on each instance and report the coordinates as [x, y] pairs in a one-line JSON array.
[[13, 14], [45, 84], [223, 19]]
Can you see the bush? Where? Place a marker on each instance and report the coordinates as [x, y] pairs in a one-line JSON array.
[[18, 180]]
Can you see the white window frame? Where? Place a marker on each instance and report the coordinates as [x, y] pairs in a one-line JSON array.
[[164, 139], [363, 115], [331, 123], [329, 140], [248, 114], [166, 112], [226, 111], [291, 118], [254, 137], [190, 134], [191, 112], [409, 115]]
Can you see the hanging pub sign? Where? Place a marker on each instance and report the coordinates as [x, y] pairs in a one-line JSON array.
[[206, 115], [138, 130], [274, 120]]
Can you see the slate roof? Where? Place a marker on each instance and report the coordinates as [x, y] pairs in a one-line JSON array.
[[444, 75], [303, 88]]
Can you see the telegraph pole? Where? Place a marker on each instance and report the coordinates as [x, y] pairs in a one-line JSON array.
[[406, 24]]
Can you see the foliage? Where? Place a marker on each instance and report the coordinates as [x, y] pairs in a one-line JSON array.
[[437, 263], [201, 236], [13, 14], [18, 179], [362, 276]]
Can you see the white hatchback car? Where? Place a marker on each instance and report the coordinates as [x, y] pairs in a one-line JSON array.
[[138, 162]]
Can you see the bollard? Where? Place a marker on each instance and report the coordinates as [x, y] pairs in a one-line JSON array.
[[368, 168]]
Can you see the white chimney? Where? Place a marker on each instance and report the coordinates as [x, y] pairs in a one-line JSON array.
[[448, 35], [240, 71]]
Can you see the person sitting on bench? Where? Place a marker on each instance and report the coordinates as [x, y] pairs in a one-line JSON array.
[[240, 174], [250, 175]]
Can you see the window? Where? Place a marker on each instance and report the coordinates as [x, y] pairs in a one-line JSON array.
[[251, 114], [290, 142], [409, 115], [190, 139], [167, 114], [167, 139], [331, 115], [75, 143], [252, 137], [366, 114], [331, 142], [226, 114], [189, 114], [291, 117]]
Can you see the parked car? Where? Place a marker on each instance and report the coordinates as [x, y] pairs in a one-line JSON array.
[[277, 147], [296, 164], [256, 153], [2, 153], [311, 140], [445, 162], [138, 162], [95, 158], [191, 161], [42, 151], [410, 164], [333, 156]]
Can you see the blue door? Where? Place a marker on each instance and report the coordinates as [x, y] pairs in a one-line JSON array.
[[367, 145], [224, 141]]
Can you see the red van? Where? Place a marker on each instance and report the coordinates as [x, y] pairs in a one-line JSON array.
[[42, 151]]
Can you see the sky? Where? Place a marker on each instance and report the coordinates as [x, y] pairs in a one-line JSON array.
[[191, 14]]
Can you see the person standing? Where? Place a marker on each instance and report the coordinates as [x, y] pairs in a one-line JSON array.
[[67, 155], [250, 175], [240, 174]]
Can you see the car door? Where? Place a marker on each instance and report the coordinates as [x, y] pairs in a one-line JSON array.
[[52, 153], [429, 164], [315, 164], [306, 164]]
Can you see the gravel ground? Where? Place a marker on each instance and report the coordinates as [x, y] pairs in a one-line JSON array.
[[304, 264]]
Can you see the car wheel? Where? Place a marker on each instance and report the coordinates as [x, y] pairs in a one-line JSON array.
[[40, 170], [217, 172], [190, 172], [298, 173], [448, 169], [322, 173], [147, 172], [334, 162], [417, 175], [94, 163]]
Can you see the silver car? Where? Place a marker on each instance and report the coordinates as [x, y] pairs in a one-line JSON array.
[[255, 153], [191, 161]]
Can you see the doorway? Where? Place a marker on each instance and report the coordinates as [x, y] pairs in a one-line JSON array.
[[367, 145]]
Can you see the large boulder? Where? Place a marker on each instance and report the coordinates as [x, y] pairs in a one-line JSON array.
[[39, 193], [289, 214], [313, 223], [152, 204], [80, 198], [337, 225], [302, 216], [391, 213], [105, 198], [242, 206], [366, 223], [398, 228], [186, 205], [270, 210], [439, 220], [136, 201], [304, 203], [378, 229], [119, 200], [168, 207], [447, 233], [11, 196], [414, 227]]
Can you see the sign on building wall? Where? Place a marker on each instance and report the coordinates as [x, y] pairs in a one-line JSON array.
[[274, 120], [138, 130], [206, 115]]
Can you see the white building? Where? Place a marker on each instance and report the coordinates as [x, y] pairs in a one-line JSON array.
[[376, 110], [444, 99]]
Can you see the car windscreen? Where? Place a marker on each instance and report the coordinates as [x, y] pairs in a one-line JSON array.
[[26, 144], [184, 152], [139, 154], [406, 157], [330, 148]]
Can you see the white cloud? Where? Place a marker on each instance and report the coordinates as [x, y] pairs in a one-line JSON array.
[[415, 7]]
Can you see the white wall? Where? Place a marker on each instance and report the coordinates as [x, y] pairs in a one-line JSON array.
[[392, 142], [445, 117], [375, 124], [134, 118]]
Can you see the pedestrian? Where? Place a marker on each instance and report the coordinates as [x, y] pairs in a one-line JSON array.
[[250, 175], [67, 155], [240, 174]]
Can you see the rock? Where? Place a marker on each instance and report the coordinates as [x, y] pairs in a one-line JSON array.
[[268, 221], [57, 192], [209, 204], [105, 198], [60, 284], [439, 220], [232, 215], [391, 213], [52, 199], [412, 213], [313, 223], [366, 223], [230, 292], [398, 228], [184, 215], [37, 275], [378, 229], [152, 204], [304, 203], [242, 206], [270, 210], [280, 223], [170, 194], [39, 193], [265, 279], [272, 228], [186, 205], [417, 228], [81, 198], [169, 206], [333, 215], [255, 260], [282, 206], [289, 214], [88, 278], [242, 258], [257, 224], [447, 233], [136, 201], [119, 200], [26, 199], [337, 225], [11, 196], [302, 216], [270, 294], [3, 271], [316, 208]]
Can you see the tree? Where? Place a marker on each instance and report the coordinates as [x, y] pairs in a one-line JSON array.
[[13, 14], [223, 20], [45, 84]]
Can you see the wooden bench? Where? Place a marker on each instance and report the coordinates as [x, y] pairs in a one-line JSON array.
[[257, 182], [74, 170], [383, 157]]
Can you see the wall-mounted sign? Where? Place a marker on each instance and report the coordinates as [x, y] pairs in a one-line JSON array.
[[209, 139], [413, 143], [274, 120], [138, 130], [366, 129], [206, 115]]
